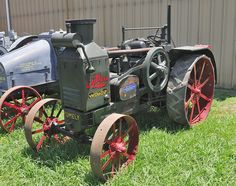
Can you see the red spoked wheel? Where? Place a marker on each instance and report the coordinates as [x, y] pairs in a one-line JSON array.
[[15, 105], [191, 89], [41, 123], [200, 90], [114, 145]]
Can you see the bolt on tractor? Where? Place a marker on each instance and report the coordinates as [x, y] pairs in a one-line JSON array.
[[101, 88]]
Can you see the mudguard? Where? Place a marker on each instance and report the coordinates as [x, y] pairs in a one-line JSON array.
[[178, 52]]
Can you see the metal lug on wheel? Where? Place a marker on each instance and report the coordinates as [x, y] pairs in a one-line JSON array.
[[191, 102]]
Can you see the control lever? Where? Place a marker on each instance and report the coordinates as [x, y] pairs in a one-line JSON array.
[[90, 68]]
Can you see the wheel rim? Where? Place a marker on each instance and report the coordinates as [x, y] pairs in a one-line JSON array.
[[114, 145], [41, 122], [15, 104], [157, 69], [199, 91]]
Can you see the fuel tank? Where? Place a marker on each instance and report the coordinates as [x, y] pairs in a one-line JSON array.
[[31, 65]]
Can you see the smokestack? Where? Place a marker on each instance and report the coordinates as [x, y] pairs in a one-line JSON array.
[[8, 12]]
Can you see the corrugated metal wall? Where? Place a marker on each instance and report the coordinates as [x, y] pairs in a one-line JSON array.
[[193, 21]]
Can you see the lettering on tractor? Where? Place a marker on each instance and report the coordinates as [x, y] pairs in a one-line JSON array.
[[72, 116], [98, 81], [29, 66], [98, 93], [2, 79]]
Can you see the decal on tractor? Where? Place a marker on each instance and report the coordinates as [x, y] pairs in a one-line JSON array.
[[98, 93], [98, 81], [72, 116]]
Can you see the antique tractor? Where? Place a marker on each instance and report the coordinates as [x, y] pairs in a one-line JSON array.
[[102, 87], [27, 70]]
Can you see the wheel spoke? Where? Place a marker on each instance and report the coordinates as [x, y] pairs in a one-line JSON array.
[[107, 163], [38, 120], [57, 138], [44, 113], [11, 120], [159, 59], [15, 100], [60, 122], [154, 65], [120, 127], [10, 105], [195, 74], [112, 168], [34, 102], [188, 102], [204, 97], [119, 163], [128, 131], [204, 83], [58, 114], [153, 76], [40, 143], [192, 112], [104, 154], [23, 118], [114, 130], [203, 67], [191, 87], [53, 108], [125, 154], [12, 126], [23, 97], [37, 131], [199, 109]]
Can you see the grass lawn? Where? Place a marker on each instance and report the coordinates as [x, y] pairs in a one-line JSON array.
[[168, 154]]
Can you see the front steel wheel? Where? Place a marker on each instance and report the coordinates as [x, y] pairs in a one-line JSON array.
[[190, 89], [41, 122], [114, 145]]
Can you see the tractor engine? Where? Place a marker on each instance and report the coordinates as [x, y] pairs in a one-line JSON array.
[[83, 67]]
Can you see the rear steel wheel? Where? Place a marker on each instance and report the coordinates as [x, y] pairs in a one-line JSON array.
[[156, 69], [15, 104], [41, 122], [191, 89], [114, 145]]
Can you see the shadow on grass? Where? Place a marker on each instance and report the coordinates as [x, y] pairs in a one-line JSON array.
[[159, 119], [223, 94], [58, 153]]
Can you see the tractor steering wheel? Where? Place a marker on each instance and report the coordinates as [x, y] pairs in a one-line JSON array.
[[154, 39]]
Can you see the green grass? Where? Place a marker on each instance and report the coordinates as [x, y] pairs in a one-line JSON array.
[[168, 154]]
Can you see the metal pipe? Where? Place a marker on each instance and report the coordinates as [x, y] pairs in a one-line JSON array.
[[169, 24], [141, 28], [130, 51], [112, 48], [8, 12]]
